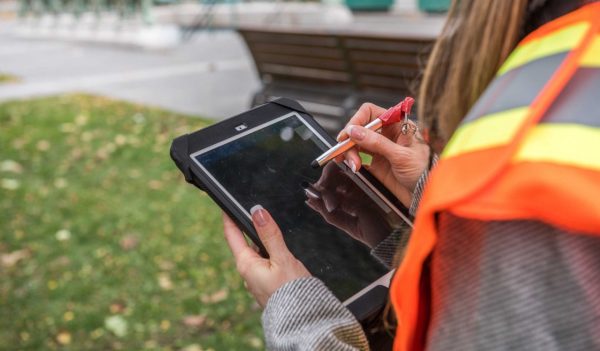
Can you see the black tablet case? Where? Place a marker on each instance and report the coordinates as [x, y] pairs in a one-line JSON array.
[[363, 308], [184, 145]]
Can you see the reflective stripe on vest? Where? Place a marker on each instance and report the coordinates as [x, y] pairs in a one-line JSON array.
[[529, 149]]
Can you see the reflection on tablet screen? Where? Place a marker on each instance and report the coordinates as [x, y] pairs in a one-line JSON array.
[[329, 217]]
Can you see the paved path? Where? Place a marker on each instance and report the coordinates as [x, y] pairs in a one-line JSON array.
[[211, 76]]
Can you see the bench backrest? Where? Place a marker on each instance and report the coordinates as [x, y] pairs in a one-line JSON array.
[[333, 72], [298, 59], [366, 63], [386, 66]]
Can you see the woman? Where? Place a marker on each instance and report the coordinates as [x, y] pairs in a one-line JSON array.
[[505, 253]]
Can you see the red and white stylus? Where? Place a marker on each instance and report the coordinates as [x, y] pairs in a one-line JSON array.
[[394, 114]]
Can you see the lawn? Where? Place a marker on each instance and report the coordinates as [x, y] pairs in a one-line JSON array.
[[8, 78], [103, 245]]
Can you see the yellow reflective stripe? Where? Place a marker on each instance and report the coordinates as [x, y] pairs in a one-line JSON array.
[[591, 58], [489, 131], [568, 144], [556, 42]]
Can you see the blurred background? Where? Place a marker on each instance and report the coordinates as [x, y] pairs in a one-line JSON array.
[[103, 246]]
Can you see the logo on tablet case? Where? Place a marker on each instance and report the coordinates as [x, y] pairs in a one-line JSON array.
[[241, 127]]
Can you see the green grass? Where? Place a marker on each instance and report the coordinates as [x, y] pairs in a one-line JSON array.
[[8, 78], [103, 245]]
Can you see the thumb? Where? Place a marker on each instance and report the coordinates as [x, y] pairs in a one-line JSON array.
[[372, 141], [269, 234]]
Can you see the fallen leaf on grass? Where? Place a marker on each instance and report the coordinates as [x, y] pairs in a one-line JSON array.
[[63, 338], [67, 128], [63, 235], [117, 307], [10, 184], [76, 154], [165, 325], [59, 262], [139, 118], [68, 316], [43, 145], [226, 325], [216, 297], [256, 342], [117, 325], [155, 184], [134, 173], [19, 143], [150, 344], [194, 321], [164, 281], [11, 166], [60, 183], [120, 139], [129, 242], [193, 347], [52, 284], [10, 259], [81, 119], [166, 265], [96, 333]]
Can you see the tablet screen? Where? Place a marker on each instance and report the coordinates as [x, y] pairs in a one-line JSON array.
[[330, 218]]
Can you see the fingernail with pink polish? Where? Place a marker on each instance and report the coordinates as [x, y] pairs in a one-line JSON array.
[[259, 215], [353, 166], [356, 133], [310, 193], [329, 204]]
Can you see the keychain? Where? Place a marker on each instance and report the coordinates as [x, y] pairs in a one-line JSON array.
[[406, 126]]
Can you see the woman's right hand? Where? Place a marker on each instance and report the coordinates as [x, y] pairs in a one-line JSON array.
[[398, 159]]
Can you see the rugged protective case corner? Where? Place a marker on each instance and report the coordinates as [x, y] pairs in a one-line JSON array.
[[179, 151], [291, 104]]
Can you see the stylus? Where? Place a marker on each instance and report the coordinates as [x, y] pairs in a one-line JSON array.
[[394, 114]]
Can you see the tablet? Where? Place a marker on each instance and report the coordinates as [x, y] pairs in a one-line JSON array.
[[331, 218]]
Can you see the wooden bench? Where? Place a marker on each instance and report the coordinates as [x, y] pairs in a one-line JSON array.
[[331, 73]]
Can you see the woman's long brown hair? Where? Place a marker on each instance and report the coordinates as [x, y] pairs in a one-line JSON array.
[[477, 37]]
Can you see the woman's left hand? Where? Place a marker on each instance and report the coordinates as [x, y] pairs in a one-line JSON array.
[[263, 276]]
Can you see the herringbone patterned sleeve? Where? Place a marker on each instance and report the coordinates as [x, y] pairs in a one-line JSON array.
[[305, 315]]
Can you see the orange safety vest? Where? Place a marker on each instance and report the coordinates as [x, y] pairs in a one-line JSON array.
[[528, 149]]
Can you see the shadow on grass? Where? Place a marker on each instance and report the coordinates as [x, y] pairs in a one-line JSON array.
[[104, 246]]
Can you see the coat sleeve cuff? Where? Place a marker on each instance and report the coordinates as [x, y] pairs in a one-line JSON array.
[[305, 315], [420, 187]]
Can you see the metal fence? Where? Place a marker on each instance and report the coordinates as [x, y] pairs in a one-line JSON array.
[[124, 9]]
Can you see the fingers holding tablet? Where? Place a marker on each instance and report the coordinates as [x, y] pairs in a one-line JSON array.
[[236, 241], [269, 234], [263, 276]]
